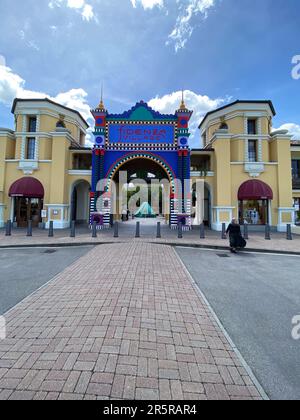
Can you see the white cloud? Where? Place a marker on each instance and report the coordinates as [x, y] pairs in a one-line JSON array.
[[85, 9], [294, 130], [189, 14], [13, 86], [184, 27], [200, 104], [2, 60], [148, 4]]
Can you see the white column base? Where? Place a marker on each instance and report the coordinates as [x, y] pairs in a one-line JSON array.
[[217, 224], [281, 227], [61, 223], [2, 222], [217, 227], [57, 224]]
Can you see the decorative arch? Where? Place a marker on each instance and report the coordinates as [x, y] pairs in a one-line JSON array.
[[141, 155]]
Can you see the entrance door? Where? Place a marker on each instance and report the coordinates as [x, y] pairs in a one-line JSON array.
[[28, 209]]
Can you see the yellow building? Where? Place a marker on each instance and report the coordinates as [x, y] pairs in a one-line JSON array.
[[44, 165], [250, 165], [45, 168]]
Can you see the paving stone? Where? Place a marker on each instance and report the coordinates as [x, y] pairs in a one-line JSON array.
[[133, 326]]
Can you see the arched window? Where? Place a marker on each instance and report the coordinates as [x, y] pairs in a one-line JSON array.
[[60, 124], [223, 126]]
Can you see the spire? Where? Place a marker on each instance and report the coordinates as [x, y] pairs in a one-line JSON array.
[[182, 106], [101, 105]]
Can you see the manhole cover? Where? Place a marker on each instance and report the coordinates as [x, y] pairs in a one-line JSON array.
[[50, 251]]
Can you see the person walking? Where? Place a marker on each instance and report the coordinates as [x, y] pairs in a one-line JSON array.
[[235, 236]]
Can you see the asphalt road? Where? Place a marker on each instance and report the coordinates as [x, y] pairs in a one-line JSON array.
[[255, 296], [22, 271]]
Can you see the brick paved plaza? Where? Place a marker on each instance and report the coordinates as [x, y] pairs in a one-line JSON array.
[[123, 322], [278, 242]]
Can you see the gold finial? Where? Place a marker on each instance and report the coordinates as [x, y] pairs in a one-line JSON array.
[[101, 105], [182, 106]]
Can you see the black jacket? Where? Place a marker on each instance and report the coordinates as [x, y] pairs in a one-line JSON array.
[[234, 230]]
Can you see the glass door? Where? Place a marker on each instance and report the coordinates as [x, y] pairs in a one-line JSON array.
[[22, 211], [28, 209]]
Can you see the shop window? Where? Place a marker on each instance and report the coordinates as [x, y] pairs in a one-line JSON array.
[[30, 149], [252, 150], [254, 212]]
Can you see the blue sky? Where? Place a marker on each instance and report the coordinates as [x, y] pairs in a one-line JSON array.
[[217, 50]]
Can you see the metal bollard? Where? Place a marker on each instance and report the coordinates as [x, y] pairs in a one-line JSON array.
[[116, 230], [51, 230], [29, 228], [138, 230], [223, 230], [202, 231], [267, 233], [246, 232], [73, 230], [8, 228], [180, 234], [94, 230], [289, 235], [158, 232]]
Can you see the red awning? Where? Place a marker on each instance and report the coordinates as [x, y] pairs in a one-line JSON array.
[[27, 187], [255, 190]]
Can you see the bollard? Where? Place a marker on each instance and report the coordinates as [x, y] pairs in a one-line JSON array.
[[94, 230], [289, 235], [51, 230], [158, 233], [246, 232], [180, 234], [116, 230], [267, 233], [29, 228], [202, 231], [138, 230], [73, 230], [8, 228], [224, 231]]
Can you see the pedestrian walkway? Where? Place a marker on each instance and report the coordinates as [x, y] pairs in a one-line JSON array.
[[148, 230], [122, 322]]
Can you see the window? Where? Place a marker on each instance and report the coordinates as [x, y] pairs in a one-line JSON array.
[[252, 127], [296, 169], [223, 126], [252, 150], [32, 125], [297, 209], [254, 212], [30, 151]]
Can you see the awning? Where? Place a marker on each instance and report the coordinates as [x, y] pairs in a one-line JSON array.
[[27, 187], [255, 190]]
